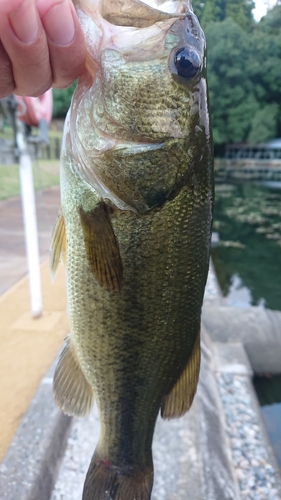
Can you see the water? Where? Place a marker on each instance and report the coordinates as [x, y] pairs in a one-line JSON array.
[[269, 394], [248, 259], [248, 265]]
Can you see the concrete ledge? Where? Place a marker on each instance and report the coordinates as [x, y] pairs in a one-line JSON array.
[[259, 330], [30, 467], [220, 481], [231, 358], [253, 458]]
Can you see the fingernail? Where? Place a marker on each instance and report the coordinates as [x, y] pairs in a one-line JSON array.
[[59, 24], [24, 22]]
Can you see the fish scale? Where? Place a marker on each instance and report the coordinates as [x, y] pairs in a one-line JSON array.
[[134, 232]]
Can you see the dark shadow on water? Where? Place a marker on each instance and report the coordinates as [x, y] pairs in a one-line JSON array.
[[268, 390], [248, 259]]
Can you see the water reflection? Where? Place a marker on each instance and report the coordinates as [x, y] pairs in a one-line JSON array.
[[272, 417], [239, 295], [248, 258], [271, 184], [269, 393]]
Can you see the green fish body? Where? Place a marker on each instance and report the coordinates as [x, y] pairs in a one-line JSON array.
[[134, 232]]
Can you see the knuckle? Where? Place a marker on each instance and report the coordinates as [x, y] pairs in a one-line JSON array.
[[63, 83], [33, 89], [6, 90], [7, 84], [41, 90], [5, 67], [63, 76]]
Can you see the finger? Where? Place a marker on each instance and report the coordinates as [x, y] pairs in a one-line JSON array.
[[65, 40], [7, 84], [25, 42]]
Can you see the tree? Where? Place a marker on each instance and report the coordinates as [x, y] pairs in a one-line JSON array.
[[210, 11], [62, 99], [244, 74], [271, 23], [264, 124], [266, 66], [213, 11], [232, 96], [241, 12]]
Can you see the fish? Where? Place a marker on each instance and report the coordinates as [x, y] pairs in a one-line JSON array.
[[134, 231]]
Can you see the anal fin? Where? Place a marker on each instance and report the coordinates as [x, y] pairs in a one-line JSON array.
[[73, 393], [102, 247], [58, 244], [180, 398]]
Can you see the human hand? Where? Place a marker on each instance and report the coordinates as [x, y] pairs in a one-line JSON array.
[[41, 45]]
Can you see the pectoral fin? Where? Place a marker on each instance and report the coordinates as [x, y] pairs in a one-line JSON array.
[[180, 398], [102, 247], [73, 393], [58, 245]]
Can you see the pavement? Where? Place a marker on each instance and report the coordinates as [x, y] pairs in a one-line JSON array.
[[28, 346], [12, 245], [258, 329]]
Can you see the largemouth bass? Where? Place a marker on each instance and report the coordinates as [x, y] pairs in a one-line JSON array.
[[134, 231]]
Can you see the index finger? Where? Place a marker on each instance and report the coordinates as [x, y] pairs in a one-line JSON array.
[[65, 40], [25, 43], [38, 57]]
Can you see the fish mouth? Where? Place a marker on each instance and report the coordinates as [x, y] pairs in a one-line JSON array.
[[142, 13], [168, 6]]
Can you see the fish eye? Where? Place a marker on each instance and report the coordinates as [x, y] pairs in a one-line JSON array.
[[187, 62]]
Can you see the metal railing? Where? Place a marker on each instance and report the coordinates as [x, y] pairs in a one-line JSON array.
[[9, 154]]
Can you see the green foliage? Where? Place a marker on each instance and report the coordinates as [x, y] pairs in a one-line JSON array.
[[232, 96], [271, 23], [244, 74], [266, 57], [62, 99], [210, 11], [241, 12], [264, 124]]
